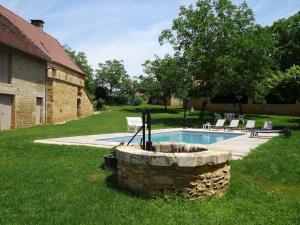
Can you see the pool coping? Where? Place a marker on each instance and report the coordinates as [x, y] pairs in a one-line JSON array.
[[239, 146]]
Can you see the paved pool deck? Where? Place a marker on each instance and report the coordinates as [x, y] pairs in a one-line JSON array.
[[239, 146]]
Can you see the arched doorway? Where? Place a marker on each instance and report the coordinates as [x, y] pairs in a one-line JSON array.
[[78, 107]]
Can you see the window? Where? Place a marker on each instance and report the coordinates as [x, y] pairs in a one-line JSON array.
[[4, 67]]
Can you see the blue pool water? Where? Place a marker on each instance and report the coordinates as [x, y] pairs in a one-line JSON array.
[[189, 137]]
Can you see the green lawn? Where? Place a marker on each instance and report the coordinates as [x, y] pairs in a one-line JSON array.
[[49, 184]]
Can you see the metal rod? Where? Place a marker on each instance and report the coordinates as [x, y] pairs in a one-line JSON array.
[[149, 145], [134, 135], [144, 132]]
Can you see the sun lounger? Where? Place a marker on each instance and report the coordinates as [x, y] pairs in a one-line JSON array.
[[250, 124], [220, 124], [133, 123], [268, 125], [286, 131], [234, 124]]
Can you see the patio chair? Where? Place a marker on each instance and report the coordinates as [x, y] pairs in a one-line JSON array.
[[217, 116], [219, 124], [250, 125], [134, 123], [234, 124], [229, 116], [241, 118]]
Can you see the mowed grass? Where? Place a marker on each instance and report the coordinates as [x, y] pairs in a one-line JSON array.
[[51, 184]]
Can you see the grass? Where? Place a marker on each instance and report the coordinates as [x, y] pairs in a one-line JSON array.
[[49, 184]]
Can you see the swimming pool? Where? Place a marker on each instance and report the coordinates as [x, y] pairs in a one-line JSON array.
[[188, 137]]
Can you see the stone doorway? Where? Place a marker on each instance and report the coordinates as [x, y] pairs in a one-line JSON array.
[[78, 107]]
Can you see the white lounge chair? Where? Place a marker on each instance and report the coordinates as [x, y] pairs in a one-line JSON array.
[[220, 124], [268, 125], [234, 124], [134, 123], [250, 124]]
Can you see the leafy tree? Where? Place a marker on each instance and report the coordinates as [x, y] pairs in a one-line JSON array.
[[81, 61], [167, 73], [112, 74], [285, 86], [287, 34], [221, 45], [149, 86]]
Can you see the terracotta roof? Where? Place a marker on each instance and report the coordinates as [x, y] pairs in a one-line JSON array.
[[18, 33]]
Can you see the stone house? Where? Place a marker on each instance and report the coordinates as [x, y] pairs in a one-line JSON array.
[[39, 83]]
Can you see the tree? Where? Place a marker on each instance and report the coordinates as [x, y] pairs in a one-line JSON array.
[[285, 86], [221, 45], [81, 61], [149, 86], [111, 74], [167, 73], [287, 34]]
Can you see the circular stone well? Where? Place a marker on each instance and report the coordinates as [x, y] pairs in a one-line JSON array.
[[188, 169]]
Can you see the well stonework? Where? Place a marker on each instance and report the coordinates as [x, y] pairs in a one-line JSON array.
[[197, 174]]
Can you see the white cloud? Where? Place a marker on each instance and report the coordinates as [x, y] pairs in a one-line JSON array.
[[134, 48]]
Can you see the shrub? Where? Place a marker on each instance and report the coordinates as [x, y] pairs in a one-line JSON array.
[[100, 104], [123, 99], [137, 100]]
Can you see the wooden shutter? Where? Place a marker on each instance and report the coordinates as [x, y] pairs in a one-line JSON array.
[[4, 67]]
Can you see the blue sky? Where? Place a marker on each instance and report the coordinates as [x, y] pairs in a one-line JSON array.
[[124, 29]]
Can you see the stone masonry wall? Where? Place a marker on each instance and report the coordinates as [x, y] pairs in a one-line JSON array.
[[27, 83], [195, 182], [28, 76], [86, 106], [62, 101], [65, 87]]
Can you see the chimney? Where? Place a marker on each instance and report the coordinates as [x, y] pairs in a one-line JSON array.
[[38, 23]]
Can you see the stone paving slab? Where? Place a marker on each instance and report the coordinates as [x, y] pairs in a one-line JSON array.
[[238, 146]]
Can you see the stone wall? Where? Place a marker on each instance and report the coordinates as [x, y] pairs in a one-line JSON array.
[[27, 83], [62, 101], [28, 76], [197, 174], [86, 108], [195, 182], [67, 98], [250, 108]]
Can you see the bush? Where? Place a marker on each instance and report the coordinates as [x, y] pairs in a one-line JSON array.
[[100, 104], [123, 99], [137, 100]]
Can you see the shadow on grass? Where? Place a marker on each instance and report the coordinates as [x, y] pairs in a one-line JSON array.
[[177, 122], [153, 110]]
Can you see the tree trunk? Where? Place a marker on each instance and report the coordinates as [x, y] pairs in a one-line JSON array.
[[201, 113], [165, 102], [239, 100], [110, 92]]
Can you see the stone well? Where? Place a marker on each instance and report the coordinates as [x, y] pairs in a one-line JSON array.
[[188, 169]]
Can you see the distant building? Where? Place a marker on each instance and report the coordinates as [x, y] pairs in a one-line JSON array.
[[39, 83]]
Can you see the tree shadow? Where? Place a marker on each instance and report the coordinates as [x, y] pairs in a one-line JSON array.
[[178, 122], [153, 110]]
